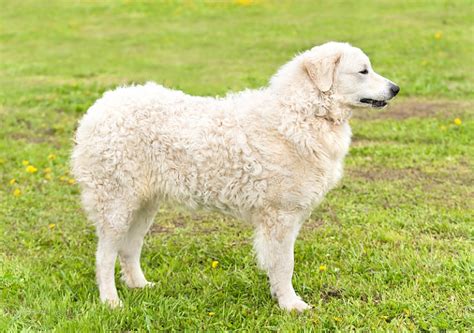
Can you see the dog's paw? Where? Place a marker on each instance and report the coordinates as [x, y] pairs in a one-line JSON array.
[[149, 284], [114, 303], [138, 284], [292, 304]]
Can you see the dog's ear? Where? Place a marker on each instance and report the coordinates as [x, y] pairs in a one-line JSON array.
[[321, 70]]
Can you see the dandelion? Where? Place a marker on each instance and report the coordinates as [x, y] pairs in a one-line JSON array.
[[51, 157], [337, 318], [12, 181], [51, 226], [457, 122], [25, 162], [63, 178], [214, 264], [438, 35], [47, 176], [17, 192], [31, 169], [71, 181], [211, 314], [323, 268], [47, 170]]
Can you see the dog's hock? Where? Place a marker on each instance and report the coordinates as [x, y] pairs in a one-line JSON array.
[[321, 70]]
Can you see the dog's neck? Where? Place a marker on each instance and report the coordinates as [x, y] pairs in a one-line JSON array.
[[324, 106], [306, 121], [332, 110]]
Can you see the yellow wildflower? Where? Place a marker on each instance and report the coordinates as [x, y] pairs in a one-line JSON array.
[[47, 176], [51, 157], [244, 2], [71, 181], [323, 268], [63, 178], [337, 318], [31, 169], [25, 162], [51, 226], [407, 312], [214, 264], [211, 314], [17, 192], [438, 35], [457, 121], [12, 181], [47, 170]]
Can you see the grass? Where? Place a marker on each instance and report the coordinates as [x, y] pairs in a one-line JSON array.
[[390, 249]]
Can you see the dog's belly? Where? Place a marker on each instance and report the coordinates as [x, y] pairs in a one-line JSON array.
[[218, 186]]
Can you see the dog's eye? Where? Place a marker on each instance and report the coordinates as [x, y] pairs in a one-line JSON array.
[[364, 72]]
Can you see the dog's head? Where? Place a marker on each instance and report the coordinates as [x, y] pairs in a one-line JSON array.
[[346, 72]]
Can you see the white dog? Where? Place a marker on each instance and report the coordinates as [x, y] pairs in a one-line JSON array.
[[266, 156]]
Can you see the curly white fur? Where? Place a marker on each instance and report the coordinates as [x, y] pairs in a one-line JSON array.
[[267, 156]]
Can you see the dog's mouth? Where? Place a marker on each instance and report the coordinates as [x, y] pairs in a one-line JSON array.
[[374, 103]]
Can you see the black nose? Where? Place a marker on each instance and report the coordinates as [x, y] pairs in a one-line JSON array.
[[395, 89]]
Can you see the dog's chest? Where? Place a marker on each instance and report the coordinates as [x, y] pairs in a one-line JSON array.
[[337, 141], [324, 170]]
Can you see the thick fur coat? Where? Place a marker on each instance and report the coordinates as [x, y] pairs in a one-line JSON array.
[[266, 156]]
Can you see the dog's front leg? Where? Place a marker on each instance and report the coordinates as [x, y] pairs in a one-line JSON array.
[[274, 243]]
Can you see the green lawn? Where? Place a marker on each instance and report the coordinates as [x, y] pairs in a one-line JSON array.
[[390, 249]]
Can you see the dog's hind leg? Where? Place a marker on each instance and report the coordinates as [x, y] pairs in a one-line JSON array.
[[131, 247], [274, 242], [107, 249], [112, 223]]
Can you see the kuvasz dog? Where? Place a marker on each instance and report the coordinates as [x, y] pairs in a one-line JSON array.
[[266, 156]]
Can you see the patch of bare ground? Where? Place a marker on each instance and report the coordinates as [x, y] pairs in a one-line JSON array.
[[386, 174], [410, 108], [328, 293], [459, 173], [171, 220], [169, 224], [455, 182], [34, 138]]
